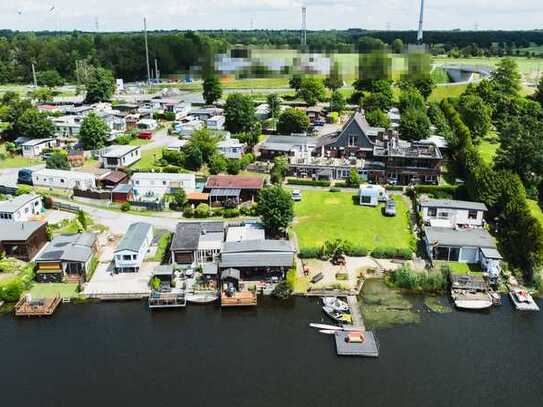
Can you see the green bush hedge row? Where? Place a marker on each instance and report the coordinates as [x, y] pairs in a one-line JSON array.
[[360, 251], [432, 189], [311, 182]]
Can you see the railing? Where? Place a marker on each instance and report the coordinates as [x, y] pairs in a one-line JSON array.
[[65, 207]]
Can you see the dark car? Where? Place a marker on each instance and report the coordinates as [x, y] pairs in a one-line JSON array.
[[25, 176]]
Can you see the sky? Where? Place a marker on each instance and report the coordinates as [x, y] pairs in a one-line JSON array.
[[123, 15]]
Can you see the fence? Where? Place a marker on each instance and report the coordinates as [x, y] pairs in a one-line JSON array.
[[65, 207], [104, 195], [8, 190], [153, 206]]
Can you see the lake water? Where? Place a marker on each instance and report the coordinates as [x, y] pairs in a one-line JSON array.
[[121, 354]]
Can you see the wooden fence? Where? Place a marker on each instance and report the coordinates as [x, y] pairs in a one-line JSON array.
[[103, 195], [65, 207]]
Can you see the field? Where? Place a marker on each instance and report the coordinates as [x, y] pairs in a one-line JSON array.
[[148, 158], [15, 161], [450, 90], [50, 290], [487, 150], [322, 216]]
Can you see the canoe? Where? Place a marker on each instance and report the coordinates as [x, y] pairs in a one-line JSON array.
[[325, 327], [327, 331]]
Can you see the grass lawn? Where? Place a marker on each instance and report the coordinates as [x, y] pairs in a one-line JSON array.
[[487, 150], [15, 161], [442, 92], [138, 142], [148, 158], [163, 245], [462, 268], [322, 216], [50, 290]]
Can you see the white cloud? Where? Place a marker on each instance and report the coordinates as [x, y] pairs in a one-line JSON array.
[[400, 14]]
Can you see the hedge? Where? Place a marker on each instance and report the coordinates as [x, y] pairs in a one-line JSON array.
[[310, 182], [392, 253], [309, 253], [432, 189]]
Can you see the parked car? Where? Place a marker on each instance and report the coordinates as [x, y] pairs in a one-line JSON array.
[[296, 195], [145, 135], [390, 208], [24, 176]]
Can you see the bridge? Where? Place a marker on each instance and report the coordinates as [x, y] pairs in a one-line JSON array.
[[465, 73]]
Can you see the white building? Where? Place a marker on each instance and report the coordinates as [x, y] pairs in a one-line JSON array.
[[230, 147], [34, 148], [216, 123], [63, 179], [115, 157], [21, 208], [450, 213], [147, 124], [67, 127], [371, 195], [182, 110], [148, 186], [178, 145], [249, 231], [131, 251], [262, 111], [186, 129]]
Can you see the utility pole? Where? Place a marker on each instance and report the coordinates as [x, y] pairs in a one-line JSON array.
[[157, 75], [34, 76], [419, 35], [147, 51]]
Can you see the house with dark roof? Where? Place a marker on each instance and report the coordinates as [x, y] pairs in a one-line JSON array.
[[66, 258], [467, 245], [451, 213], [133, 248], [258, 257], [236, 188], [292, 146], [196, 242], [22, 240]]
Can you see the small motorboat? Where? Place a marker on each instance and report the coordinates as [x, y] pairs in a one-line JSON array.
[[338, 316], [336, 304], [522, 300], [202, 298], [325, 327], [327, 331]]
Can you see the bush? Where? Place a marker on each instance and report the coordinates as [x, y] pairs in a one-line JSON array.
[[309, 253], [427, 281], [250, 210], [394, 187], [432, 189], [357, 251], [282, 290], [47, 202], [188, 212], [246, 160], [233, 167], [392, 253], [123, 140], [334, 189], [168, 116], [311, 182], [231, 213], [202, 211], [125, 207], [218, 212]]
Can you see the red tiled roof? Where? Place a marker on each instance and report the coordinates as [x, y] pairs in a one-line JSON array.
[[197, 196], [234, 181], [115, 176]]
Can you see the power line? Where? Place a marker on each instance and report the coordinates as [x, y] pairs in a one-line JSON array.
[[303, 41], [421, 18], [147, 51]]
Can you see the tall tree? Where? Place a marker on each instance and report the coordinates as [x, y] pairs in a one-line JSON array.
[[100, 86], [206, 142], [94, 132], [34, 124], [538, 95], [414, 125], [275, 207], [292, 121], [239, 113], [50, 78], [334, 80], [295, 81], [212, 89], [311, 90], [337, 102], [274, 104], [476, 114], [505, 79], [58, 161], [397, 46]]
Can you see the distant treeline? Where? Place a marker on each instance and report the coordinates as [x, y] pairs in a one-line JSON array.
[[177, 51]]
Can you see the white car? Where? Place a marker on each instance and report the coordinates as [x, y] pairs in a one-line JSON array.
[[296, 195]]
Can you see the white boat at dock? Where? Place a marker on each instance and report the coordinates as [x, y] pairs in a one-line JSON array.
[[325, 326], [202, 298], [336, 304], [328, 331], [473, 304], [522, 300]]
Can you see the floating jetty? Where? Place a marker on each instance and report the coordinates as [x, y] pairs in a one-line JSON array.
[[167, 300], [28, 307]]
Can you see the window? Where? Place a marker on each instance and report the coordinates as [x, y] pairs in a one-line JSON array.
[[127, 257], [366, 199], [62, 180], [443, 215], [134, 257], [352, 141], [432, 212], [472, 214], [163, 182]]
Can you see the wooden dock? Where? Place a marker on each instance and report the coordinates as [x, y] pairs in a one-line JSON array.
[[37, 308], [356, 314], [239, 299]]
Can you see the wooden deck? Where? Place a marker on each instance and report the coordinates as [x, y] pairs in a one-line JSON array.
[[37, 308], [239, 299]]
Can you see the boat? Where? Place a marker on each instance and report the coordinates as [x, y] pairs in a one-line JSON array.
[[337, 316], [328, 331], [471, 300], [336, 304], [473, 304], [522, 300], [325, 327], [202, 298]]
